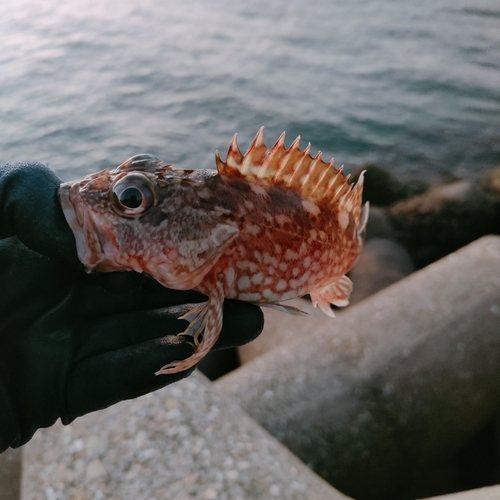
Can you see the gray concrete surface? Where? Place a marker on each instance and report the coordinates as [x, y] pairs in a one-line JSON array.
[[490, 493], [184, 442], [381, 263], [10, 474], [280, 329], [380, 399]]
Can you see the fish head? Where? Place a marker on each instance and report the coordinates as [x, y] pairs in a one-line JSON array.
[[147, 217], [106, 203]]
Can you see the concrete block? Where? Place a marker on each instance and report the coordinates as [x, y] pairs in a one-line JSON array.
[[184, 442], [381, 263], [10, 474], [490, 493], [379, 400], [279, 329]]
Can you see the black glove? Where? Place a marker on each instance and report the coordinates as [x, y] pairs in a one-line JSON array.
[[71, 342]]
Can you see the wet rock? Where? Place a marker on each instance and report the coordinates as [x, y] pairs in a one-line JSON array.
[[443, 219], [183, 442], [380, 400], [381, 188], [491, 180], [492, 187], [413, 187], [10, 474], [381, 263], [379, 225]]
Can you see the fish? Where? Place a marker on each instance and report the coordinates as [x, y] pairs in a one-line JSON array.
[[264, 227]]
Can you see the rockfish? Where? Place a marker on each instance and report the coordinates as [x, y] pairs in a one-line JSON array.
[[265, 227]]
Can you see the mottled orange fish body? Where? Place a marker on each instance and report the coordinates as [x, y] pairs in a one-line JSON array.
[[266, 227], [280, 252]]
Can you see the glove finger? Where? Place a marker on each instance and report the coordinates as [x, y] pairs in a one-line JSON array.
[[118, 331], [242, 323], [107, 378], [117, 292], [31, 211], [116, 371]]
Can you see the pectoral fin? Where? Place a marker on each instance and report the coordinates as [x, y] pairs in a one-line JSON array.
[[294, 311], [205, 326]]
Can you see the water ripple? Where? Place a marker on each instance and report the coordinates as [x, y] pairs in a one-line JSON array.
[[411, 85]]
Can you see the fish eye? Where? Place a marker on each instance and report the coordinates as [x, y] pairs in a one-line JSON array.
[[132, 195]]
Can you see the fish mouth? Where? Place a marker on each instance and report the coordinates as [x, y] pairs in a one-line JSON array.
[[88, 248]]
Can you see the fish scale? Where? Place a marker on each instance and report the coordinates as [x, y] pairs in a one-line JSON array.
[[269, 225]]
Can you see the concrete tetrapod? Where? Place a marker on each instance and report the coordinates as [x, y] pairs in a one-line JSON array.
[[184, 442], [379, 400], [10, 473]]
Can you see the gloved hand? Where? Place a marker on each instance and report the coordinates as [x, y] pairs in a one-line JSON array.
[[71, 342]]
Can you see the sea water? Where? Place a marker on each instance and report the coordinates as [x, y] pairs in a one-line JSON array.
[[413, 86]]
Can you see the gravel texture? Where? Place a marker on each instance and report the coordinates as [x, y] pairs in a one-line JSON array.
[[490, 493], [183, 442], [10, 474]]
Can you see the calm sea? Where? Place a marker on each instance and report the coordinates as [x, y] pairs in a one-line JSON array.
[[413, 85]]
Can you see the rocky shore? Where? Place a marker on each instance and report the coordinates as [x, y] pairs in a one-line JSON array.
[[433, 221], [397, 398]]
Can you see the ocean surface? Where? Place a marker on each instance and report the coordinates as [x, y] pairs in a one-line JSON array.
[[413, 86]]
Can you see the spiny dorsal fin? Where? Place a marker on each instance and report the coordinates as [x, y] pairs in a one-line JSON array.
[[351, 203], [292, 167]]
